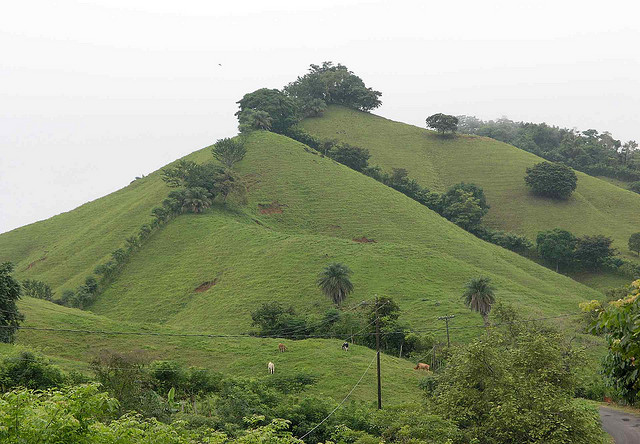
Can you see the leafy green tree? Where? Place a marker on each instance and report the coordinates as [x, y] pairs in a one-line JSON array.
[[29, 370], [280, 108], [352, 156], [37, 289], [620, 324], [276, 320], [556, 246], [551, 180], [125, 376], [593, 252], [511, 241], [516, 386], [229, 151], [227, 183], [335, 282], [333, 84], [443, 123], [634, 243], [10, 292], [464, 205], [479, 297]]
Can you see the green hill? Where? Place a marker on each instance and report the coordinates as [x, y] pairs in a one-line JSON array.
[[597, 207], [315, 208], [303, 212]]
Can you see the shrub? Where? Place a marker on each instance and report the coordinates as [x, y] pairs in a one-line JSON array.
[[635, 187], [594, 252], [634, 243], [30, 371], [551, 180], [10, 292], [37, 289], [354, 157]]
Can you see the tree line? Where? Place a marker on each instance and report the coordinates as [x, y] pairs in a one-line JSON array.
[[590, 151]]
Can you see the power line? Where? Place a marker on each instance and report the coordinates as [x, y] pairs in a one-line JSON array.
[[342, 402]]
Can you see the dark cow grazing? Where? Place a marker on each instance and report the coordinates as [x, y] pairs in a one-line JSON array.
[[282, 347], [345, 346], [422, 366]]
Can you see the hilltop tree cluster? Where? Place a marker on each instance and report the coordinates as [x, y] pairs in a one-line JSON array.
[[589, 151], [279, 110]]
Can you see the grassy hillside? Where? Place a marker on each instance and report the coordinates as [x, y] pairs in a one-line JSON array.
[[302, 212], [238, 356], [316, 208], [64, 249], [597, 207]]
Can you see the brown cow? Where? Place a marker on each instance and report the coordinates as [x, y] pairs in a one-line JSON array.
[[282, 347], [422, 366]]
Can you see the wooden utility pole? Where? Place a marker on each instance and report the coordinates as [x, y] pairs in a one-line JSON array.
[[378, 354], [446, 320]]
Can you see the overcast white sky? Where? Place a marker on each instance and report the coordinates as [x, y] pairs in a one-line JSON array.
[[94, 93]]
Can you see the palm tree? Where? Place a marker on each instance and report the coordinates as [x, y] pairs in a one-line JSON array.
[[335, 282], [479, 296], [196, 199]]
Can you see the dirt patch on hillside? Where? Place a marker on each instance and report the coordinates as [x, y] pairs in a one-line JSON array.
[[271, 208], [364, 240], [205, 286], [34, 263]]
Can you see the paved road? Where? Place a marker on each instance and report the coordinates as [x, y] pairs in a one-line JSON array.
[[624, 427]]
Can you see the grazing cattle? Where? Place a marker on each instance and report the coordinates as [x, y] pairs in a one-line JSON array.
[[345, 346], [282, 347], [422, 366], [271, 367]]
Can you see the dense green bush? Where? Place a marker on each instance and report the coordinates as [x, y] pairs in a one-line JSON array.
[[37, 289], [10, 292], [516, 384], [354, 157], [29, 370], [551, 180]]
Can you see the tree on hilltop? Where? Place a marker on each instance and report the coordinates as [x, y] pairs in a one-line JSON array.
[[443, 123]]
